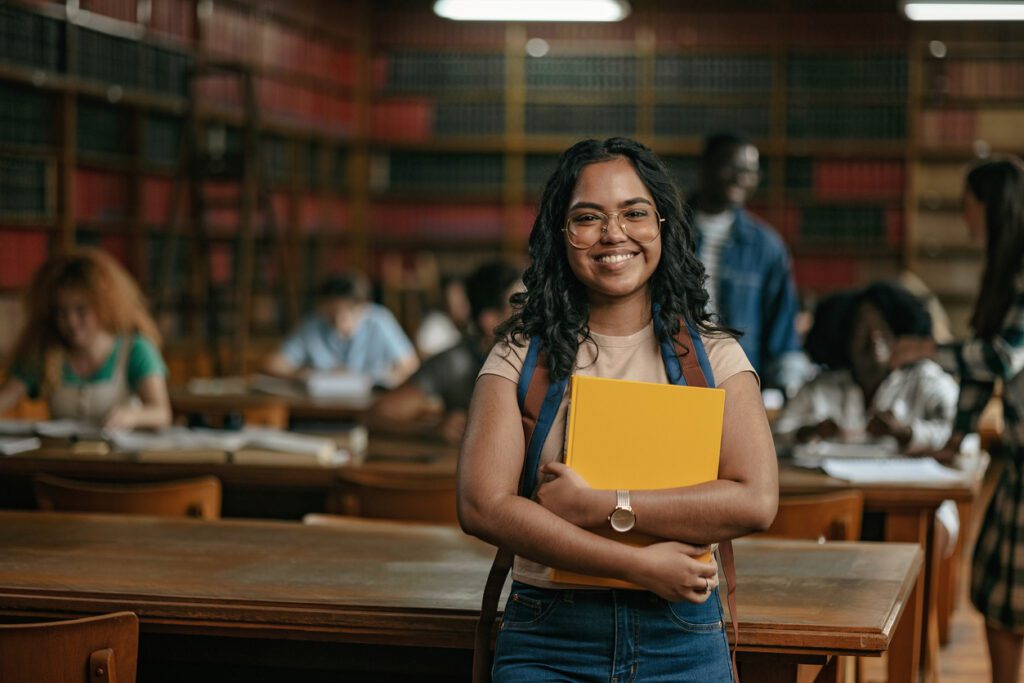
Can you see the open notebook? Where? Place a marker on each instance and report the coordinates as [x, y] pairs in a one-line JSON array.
[[638, 435]]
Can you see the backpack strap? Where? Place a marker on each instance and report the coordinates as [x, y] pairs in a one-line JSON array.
[[539, 399], [686, 363]]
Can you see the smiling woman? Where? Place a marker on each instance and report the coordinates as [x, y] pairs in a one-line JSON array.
[[612, 276]]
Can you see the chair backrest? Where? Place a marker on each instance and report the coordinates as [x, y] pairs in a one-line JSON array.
[[101, 649], [824, 517], [405, 495], [200, 497]]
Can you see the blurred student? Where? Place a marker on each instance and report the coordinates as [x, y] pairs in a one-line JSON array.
[[442, 329], [347, 332], [993, 208], [861, 394], [444, 384], [89, 347], [749, 273]]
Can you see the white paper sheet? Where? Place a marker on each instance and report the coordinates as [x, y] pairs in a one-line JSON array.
[[891, 470]]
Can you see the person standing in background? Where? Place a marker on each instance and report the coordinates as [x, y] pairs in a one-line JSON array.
[[750, 278], [993, 207], [347, 333]]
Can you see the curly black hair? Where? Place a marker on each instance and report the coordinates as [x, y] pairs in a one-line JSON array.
[[554, 306]]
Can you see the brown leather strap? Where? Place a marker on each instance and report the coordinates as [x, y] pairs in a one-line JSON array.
[[488, 612], [503, 559], [689, 362], [729, 566], [539, 383]]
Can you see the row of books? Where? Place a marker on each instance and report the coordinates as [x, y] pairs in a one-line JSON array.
[[245, 36], [715, 73], [827, 274], [161, 139], [26, 116], [31, 40], [174, 18], [844, 226], [131, 64], [436, 221], [433, 71], [101, 127], [314, 213], [884, 74], [696, 120], [844, 178], [989, 78], [25, 187], [22, 254], [994, 129], [421, 119], [580, 119], [846, 122], [437, 173], [583, 73]]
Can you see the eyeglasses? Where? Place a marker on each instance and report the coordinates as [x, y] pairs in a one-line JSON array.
[[641, 224]]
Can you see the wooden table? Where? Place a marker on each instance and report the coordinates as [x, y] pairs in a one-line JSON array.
[[386, 601], [299, 407], [263, 491], [909, 512]]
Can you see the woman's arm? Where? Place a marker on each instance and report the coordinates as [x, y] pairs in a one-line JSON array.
[[742, 500], [490, 508], [154, 413], [12, 391]]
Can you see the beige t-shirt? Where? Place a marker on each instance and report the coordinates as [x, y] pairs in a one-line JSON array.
[[636, 357]]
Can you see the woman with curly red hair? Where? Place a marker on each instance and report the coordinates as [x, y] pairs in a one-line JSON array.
[[89, 347]]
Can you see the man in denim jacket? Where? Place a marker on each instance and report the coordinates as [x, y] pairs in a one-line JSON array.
[[750, 277]]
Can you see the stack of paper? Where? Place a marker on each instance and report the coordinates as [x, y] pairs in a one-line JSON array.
[[891, 471], [342, 385], [10, 445]]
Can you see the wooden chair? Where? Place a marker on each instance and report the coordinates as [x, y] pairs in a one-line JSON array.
[[824, 517], [410, 496], [101, 649], [200, 497]]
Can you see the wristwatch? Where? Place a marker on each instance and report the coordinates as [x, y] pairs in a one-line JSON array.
[[622, 517]]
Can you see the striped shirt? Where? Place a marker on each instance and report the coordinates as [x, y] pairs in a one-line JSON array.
[[980, 363]]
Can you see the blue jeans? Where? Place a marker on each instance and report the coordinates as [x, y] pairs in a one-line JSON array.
[[613, 636]]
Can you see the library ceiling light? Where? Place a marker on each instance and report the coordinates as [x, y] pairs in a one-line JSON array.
[[934, 10], [532, 10]]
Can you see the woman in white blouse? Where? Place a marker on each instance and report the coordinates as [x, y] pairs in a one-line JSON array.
[[860, 395]]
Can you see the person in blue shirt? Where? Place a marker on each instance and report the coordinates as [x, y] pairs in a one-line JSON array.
[[750, 278], [347, 333]]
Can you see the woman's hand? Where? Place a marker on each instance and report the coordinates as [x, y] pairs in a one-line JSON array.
[[672, 571], [826, 429], [906, 350], [120, 417], [886, 424], [947, 453], [566, 494]]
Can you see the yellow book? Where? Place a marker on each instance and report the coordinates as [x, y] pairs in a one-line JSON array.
[[639, 435]]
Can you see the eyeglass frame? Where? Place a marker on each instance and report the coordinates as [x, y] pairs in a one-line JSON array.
[[607, 223]]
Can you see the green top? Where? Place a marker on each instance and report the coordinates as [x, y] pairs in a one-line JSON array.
[[144, 360]]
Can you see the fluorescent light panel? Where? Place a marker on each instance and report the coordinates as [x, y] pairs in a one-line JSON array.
[[532, 10], [964, 11]]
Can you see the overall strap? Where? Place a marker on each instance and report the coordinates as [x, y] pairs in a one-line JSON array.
[[686, 363], [539, 399]]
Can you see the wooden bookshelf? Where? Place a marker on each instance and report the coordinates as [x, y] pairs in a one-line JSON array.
[[389, 132]]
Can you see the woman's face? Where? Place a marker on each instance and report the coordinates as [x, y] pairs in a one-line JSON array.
[[76, 318], [871, 342], [974, 215], [615, 266]]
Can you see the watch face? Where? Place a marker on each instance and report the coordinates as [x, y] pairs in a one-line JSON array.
[[622, 519]]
